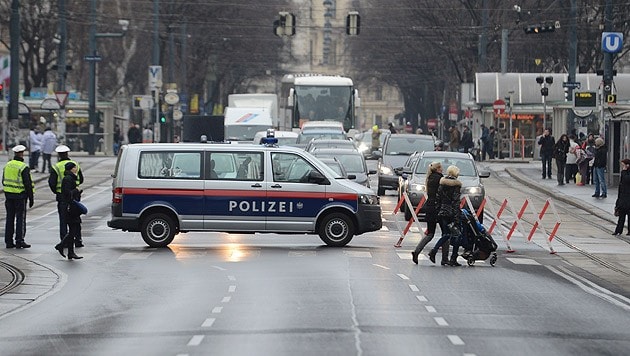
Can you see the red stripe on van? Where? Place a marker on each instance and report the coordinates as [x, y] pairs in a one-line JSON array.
[[147, 191]]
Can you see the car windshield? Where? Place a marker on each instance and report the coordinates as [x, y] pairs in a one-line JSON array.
[[466, 166], [407, 145], [309, 135]]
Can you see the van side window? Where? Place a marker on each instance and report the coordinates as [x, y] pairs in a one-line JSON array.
[[288, 167], [176, 165], [235, 166]]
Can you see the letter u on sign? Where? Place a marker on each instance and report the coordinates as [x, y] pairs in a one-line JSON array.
[[612, 42]]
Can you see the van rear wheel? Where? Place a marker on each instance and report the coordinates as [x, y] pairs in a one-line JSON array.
[[336, 229], [158, 230]]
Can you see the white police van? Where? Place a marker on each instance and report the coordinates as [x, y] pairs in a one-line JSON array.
[[163, 189]]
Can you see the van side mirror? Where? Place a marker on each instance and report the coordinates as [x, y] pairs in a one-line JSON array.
[[317, 178], [484, 174], [352, 176]]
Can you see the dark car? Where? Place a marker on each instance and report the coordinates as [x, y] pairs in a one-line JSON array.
[[352, 161], [395, 151], [468, 175]]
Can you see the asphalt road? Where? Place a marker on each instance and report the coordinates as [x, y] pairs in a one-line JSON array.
[[267, 294]]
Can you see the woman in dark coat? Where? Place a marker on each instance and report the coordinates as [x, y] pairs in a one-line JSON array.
[[448, 197], [623, 198], [430, 208], [69, 192], [560, 150]]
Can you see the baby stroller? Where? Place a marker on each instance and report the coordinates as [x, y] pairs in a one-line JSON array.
[[480, 245]]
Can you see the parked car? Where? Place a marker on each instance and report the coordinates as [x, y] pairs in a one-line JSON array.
[[318, 143], [395, 151], [469, 175], [352, 161]]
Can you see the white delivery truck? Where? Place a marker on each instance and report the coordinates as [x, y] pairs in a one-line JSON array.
[[241, 124], [256, 100]]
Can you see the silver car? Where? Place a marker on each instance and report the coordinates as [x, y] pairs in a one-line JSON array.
[[468, 175]]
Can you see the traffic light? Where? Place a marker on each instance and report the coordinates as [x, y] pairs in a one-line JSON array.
[[540, 28], [162, 118], [285, 25], [353, 23], [544, 91]]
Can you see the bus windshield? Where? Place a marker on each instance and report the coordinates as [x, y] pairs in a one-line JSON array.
[[324, 103]]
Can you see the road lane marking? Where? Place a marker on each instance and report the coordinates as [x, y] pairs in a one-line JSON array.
[[217, 310], [592, 288], [421, 298], [195, 340], [523, 261], [302, 253], [135, 255], [414, 288], [362, 254], [440, 321], [226, 299], [219, 268], [231, 278], [208, 322], [232, 289], [380, 266], [430, 309], [402, 276], [455, 340]]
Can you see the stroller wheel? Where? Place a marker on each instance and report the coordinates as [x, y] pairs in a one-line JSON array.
[[470, 261], [493, 259]]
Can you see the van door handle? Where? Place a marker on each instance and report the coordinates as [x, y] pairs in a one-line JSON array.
[[276, 186], [257, 185]]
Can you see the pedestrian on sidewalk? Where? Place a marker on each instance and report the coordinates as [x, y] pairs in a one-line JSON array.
[[18, 187], [622, 205], [35, 148], [49, 143], [546, 142], [582, 163], [589, 148], [571, 167], [560, 149], [430, 209], [599, 167], [448, 197]]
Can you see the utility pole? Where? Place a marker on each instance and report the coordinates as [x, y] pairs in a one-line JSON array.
[[156, 62], [14, 88], [572, 58], [92, 81], [61, 66]]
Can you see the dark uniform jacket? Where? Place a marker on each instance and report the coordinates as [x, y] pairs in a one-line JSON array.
[[623, 197], [546, 144]]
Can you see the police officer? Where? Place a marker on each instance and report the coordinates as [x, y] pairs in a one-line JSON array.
[[54, 182], [18, 186]]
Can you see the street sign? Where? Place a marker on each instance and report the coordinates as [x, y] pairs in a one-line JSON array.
[[572, 85], [92, 58], [612, 42], [171, 98], [585, 99], [177, 115], [498, 106], [155, 77], [62, 97], [611, 98]]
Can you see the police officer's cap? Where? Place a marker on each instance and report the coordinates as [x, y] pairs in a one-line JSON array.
[[19, 148], [62, 148]]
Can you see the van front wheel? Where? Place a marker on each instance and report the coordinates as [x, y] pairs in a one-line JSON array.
[[336, 229], [158, 230]]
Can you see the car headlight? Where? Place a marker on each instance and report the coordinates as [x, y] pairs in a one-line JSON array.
[[386, 170], [368, 199], [363, 148], [472, 190], [417, 187]]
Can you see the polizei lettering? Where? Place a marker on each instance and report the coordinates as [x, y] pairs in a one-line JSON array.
[[254, 206]]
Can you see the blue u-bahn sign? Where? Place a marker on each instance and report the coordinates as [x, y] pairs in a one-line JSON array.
[[612, 42]]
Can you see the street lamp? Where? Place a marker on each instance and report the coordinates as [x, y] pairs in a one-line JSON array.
[[544, 91], [93, 57]]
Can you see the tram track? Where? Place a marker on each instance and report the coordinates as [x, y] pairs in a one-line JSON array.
[[16, 277], [540, 195]]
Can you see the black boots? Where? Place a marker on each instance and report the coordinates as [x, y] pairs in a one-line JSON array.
[[453, 262], [414, 257], [59, 248], [74, 256], [432, 255]]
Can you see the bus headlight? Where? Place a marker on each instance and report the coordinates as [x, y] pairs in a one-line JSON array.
[[368, 199]]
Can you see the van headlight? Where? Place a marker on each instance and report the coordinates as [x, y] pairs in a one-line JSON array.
[[472, 190], [417, 187], [368, 199]]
